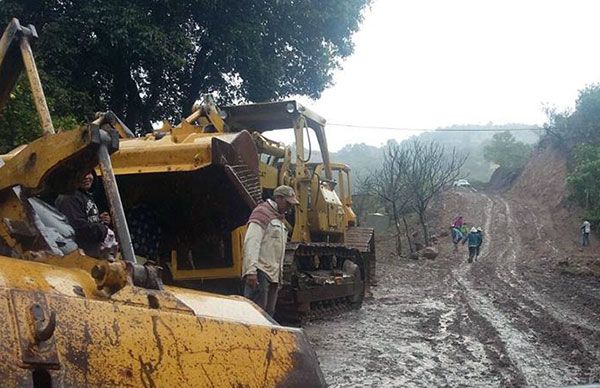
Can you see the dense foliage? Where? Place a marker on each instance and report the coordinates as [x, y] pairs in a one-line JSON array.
[[19, 122], [581, 126], [584, 178], [505, 151], [579, 133], [149, 60]]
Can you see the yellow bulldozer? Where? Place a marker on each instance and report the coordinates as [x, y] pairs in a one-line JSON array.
[[73, 320], [199, 180]]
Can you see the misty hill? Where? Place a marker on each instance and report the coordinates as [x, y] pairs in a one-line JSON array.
[[363, 158]]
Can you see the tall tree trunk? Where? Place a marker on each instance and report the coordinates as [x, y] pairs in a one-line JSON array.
[[410, 244], [118, 95], [398, 230], [423, 221], [196, 80]]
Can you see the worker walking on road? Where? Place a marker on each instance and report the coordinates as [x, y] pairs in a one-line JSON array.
[[264, 248], [464, 229], [586, 228], [458, 222], [474, 239], [478, 250], [457, 237]]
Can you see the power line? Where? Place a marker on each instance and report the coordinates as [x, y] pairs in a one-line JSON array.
[[434, 130]]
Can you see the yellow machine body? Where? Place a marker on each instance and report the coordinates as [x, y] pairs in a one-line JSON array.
[[72, 320], [201, 188], [330, 261], [139, 337], [202, 179]]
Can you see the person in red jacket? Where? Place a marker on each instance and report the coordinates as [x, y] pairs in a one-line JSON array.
[[458, 222], [264, 248]]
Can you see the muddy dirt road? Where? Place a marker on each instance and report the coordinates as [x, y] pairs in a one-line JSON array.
[[509, 319]]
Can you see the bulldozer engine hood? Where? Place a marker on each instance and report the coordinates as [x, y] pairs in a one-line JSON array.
[[149, 155], [233, 154]]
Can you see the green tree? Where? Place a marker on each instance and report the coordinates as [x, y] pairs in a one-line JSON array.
[[578, 133], [581, 126], [19, 123], [583, 179], [506, 151], [150, 60]]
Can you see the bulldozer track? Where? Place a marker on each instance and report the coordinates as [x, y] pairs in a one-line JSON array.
[[363, 239], [297, 280], [328, 309]]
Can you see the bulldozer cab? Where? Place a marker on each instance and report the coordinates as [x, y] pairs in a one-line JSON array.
[[320, 215], [343, 189], [265, 117]]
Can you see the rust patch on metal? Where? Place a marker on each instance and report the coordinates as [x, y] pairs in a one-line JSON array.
[[114, 338], [35, 328], [268, 359], [146, 370], [78, 354], [306, 371]]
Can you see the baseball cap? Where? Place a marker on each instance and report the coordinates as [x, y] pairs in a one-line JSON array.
[[286, 192]]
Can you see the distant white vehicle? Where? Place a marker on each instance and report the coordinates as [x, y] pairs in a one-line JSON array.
[[461, 183]]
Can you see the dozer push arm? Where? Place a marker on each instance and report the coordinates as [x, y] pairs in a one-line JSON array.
[[16, 54], [55, 162]]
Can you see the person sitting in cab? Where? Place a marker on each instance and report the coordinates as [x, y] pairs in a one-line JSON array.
[[92, 231]]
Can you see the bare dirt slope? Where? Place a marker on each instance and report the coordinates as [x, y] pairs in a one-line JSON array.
[[513, 318], [550, 222]]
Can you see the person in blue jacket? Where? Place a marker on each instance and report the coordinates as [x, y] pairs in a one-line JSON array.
[[474, 238], [457, 237]]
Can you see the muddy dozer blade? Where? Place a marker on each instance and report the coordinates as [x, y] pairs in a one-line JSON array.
[[59, 331], [363, 239]]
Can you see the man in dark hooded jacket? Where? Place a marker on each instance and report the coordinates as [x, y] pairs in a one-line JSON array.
[[91, 226]]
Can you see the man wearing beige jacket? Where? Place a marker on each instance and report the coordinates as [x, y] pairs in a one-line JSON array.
[[264, 248]]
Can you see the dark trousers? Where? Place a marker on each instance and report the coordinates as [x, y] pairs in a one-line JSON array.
[[472, 253], [265, 293], [585, 239]]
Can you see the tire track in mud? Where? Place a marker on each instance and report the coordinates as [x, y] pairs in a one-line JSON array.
[[449, 323], [539, 350], [522, 355], [568, 326]]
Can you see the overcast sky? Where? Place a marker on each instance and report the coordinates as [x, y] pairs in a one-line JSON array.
[[435, 63]]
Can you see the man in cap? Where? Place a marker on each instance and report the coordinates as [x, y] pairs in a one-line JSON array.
[[474, 239], [264, 248]]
